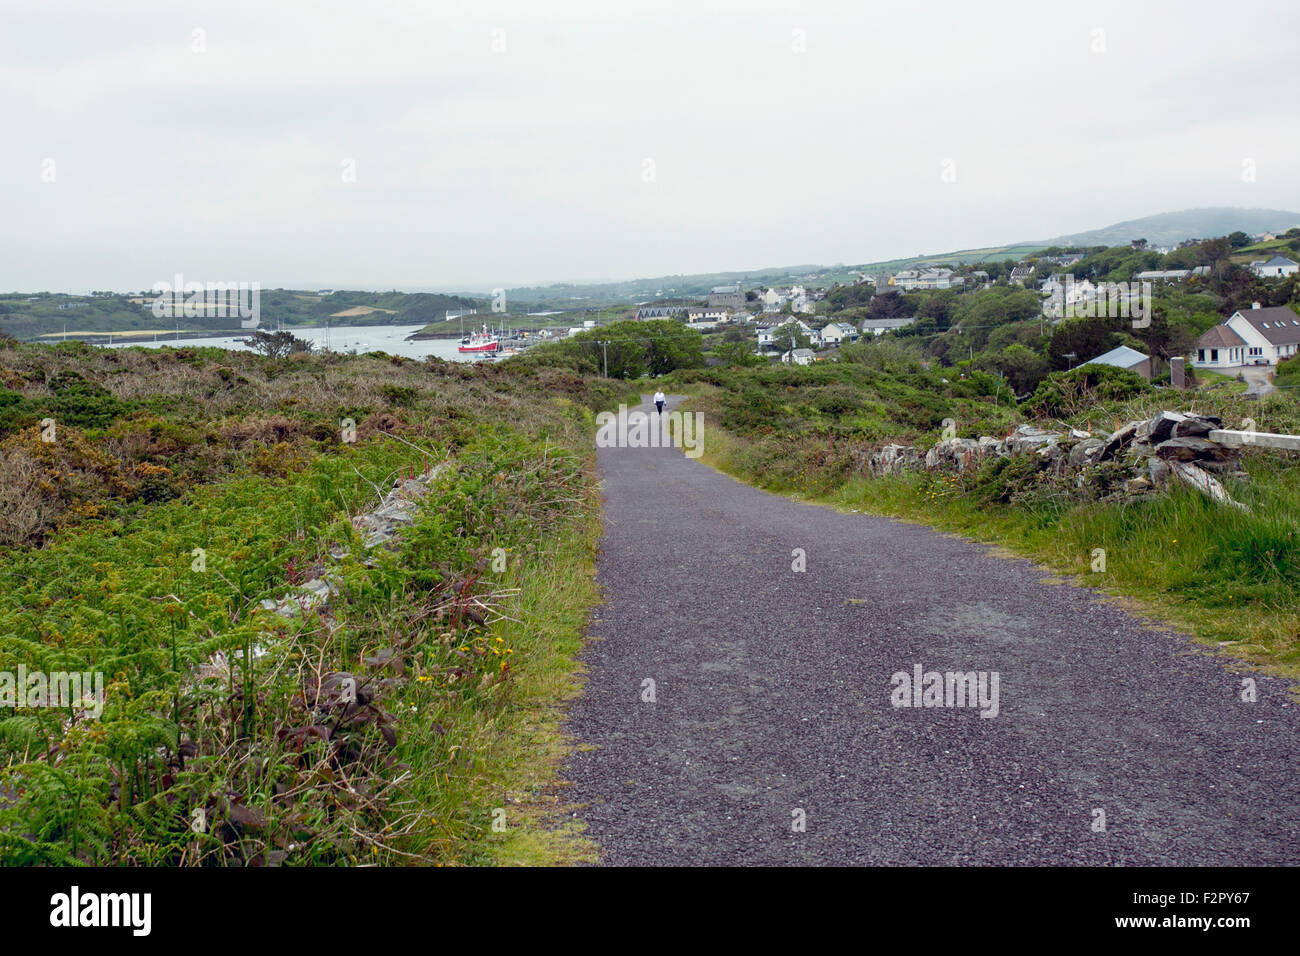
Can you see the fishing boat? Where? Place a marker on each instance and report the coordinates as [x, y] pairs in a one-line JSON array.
[[483, 341]]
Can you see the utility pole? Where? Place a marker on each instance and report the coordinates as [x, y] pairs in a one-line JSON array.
[[604, 358]]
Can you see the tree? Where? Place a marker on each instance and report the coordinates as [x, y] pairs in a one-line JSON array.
[[789, 333], [1023, 368], [276, 345], [1238, 239], [635, 349], [1215, 252], [1086, 338], [738, 353], [886, 305]]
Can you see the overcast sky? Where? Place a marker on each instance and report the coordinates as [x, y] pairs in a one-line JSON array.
[[468, 144]]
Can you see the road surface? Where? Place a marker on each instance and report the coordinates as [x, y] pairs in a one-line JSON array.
[[772, 736]]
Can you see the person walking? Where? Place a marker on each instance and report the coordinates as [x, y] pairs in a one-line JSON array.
[[660, 398]]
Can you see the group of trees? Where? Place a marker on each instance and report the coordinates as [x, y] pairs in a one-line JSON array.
[[627, 349]]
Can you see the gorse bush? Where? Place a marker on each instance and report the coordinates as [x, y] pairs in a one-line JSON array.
[[1068, 393]]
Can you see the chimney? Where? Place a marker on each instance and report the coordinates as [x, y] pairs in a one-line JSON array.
[[1254, 305]]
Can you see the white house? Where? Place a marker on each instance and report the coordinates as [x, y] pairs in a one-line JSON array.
[[707, 313], [938, 279], [881, 326], [1162, 275], [1254, 336], [798, 357], [1275, 267], [769, 335], [836, 333], [772, 300]]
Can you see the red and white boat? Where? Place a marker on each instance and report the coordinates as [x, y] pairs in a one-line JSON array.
[[482, 341]]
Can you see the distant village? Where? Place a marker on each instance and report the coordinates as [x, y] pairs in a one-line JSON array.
[[791, 325]]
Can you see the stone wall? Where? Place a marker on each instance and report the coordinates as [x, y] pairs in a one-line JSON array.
[[1171, 443]]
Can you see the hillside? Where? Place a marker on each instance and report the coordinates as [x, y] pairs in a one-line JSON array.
[[31, 316], [1159, 230], [1170, 228]]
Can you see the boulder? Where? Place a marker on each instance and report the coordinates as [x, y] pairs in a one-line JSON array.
[[1137, 486], [955, 454], [1119, 440], [1085, 452], [894, 460], [1158, 471], [1157, 429], [1196, 426], [1028, 438], [1189, 449]]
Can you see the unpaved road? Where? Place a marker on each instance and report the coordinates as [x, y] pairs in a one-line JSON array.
[[772, 695]]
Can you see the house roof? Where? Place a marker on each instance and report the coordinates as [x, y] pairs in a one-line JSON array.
[[1220, 337], [888, 323], [1277, 323], [1121, 357], [1280, 261], [1163, 274]]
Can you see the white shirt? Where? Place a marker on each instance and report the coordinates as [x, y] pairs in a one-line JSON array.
[[659, 397]]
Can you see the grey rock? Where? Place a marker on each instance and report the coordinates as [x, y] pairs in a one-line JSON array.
[[1158, 471], [1119, 440], [1189, 449], [1085, 452]]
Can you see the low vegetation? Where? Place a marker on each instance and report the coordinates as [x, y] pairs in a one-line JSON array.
[[166, 529]]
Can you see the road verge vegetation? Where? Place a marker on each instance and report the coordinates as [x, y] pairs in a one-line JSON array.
[[335, 603]]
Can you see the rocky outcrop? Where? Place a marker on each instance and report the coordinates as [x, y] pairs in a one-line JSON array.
[[1149, 452]]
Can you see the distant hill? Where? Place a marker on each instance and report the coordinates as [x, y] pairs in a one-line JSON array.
[[1170, 228], [1165, 229], [31, 316]]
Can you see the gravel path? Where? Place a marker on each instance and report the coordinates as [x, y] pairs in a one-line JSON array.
[[773, 695]]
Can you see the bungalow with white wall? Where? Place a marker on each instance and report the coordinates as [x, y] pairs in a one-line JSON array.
[[1277, 267], [798, 357], [881, 326], [1254, 336]]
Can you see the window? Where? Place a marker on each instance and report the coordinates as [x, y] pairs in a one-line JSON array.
[[1214, 355], [1200, 355]]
